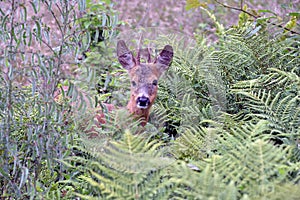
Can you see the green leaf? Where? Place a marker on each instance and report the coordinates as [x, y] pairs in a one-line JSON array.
[[292, 23], [1, 11], [87, 24], [38, 31], [267, 11], [190, 4], [243, 17], [4, 174], [34, 6], [296, 14], [24, 12], [3, 24]]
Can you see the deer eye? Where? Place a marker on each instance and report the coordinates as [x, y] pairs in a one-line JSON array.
[[133, 83], [154, 83]]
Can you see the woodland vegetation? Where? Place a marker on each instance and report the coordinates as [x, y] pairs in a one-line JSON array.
[[225, 124]]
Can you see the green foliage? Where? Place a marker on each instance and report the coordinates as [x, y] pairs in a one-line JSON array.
[[225, 124], [195, 143], [140, 176], [41, 43], [201, 185], [262, 16], [99, 21], [259, 161], [182, 95], [190, 4], [241, 143]]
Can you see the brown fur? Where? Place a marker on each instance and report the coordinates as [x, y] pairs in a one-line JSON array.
[[143, 77]]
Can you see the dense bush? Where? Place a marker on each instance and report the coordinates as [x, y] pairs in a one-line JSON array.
[[42, 43]]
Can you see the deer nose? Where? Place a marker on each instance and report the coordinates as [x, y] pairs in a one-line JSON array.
[[143, 102]]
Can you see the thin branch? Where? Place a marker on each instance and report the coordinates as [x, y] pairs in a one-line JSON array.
[[145, 17], [44, 42], [54, 16], [256, 17]]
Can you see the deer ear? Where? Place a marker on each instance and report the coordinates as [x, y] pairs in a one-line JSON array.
[[164, 59], [125, 56]]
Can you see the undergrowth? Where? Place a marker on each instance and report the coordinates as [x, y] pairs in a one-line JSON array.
[[225, 124]]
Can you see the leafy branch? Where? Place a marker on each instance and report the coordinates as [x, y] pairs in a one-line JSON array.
[[241, 9]]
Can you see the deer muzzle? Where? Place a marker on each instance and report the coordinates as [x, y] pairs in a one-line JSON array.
[[143, 102]]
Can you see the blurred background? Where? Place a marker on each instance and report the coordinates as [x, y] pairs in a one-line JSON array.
[[174, 15]]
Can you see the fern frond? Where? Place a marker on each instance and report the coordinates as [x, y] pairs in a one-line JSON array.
[[138, 176], [284, 191], [203, 185], [172, 92], [282, 111], [254, 165], [280, 78], [194, 143], [245, 156], [276, 79], [211, 74]]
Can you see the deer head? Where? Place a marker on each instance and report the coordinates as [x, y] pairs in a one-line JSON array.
[[144, 77]]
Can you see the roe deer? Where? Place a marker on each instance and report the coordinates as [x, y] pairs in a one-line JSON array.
[[144, 84], [144, 77]]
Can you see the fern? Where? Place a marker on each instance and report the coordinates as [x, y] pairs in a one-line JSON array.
[[139, 176], [182, 93], [227, 106], [243, 155], [284, 191], [194, 143], [244, 55], [204, 185], [274, 98], [283, 112]]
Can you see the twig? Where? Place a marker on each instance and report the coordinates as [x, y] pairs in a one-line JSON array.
[[145, 17], [255, 16], [44, 42], [54, 16]]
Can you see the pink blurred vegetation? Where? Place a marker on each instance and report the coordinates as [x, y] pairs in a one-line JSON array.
[[173, 14]]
